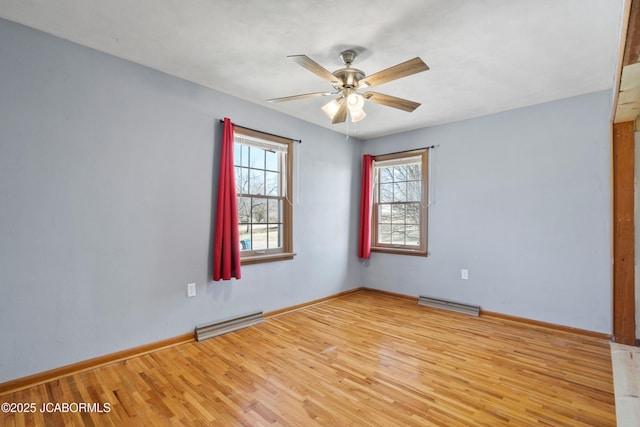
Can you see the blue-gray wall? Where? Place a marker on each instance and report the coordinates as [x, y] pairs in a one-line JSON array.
[[522, 200], [107, 176]]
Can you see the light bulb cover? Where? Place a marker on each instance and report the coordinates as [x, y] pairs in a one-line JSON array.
[[355, 102], [356, 116], [331, 108]]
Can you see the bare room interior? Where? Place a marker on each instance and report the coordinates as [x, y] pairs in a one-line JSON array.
[[302, 213]]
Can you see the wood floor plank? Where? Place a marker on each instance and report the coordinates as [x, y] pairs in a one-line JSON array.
[[363, 359]]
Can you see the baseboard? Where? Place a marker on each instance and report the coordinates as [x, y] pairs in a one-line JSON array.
[[509, 317], [390, 294], [310, 303], [557, 327], [74, 368]]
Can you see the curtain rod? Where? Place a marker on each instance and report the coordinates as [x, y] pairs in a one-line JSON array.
[[431, 147], [266, 133]]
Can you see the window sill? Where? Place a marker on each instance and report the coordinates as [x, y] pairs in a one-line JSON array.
[[256, 259], [399, 251]]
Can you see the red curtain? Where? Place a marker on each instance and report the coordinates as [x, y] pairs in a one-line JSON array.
[[226, 241], [364, 241]]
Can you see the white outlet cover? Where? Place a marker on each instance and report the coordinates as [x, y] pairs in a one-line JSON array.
[[191, 290], [464, 274]]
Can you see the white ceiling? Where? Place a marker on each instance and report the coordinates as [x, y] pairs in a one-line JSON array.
[[485, 55]]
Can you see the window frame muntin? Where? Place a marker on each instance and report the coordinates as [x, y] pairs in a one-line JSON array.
[[422, 249], [286, 252]]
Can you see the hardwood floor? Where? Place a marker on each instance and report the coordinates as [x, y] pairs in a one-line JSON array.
[[363, 359]]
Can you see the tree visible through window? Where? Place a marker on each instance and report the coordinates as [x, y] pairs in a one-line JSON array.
[[399, 212], [263, 183]]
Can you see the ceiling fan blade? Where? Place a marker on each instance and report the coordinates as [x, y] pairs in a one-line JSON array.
[[314, 67], [407, 68], [391, 101], [340, 115], [303, 96]]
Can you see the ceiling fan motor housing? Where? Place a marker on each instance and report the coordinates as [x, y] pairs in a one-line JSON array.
[[348, 77]]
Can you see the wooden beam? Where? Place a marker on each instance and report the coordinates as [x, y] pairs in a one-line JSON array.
[[632, 45], [624, 324]]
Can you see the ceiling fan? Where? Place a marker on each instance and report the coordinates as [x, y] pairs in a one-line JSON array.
[[348, 80]]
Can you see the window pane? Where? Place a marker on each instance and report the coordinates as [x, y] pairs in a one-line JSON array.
[[400, 173], [272, 161], [240, 154], [241, 180], [272, 184], [400, 192], [413, 213], [414, 172], [397, 234], [275, 237], [256, 157], [413, 191], [244, 231], [237, 153], [413, 235], [244, 209], [386, 175], [274, 209], [258, 211], [256, 181], [385, 214], [384, 234], [386, 193], [259, 237], [397, 214]]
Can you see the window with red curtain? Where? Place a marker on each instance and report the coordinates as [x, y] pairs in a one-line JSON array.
[[399, 203], [226, 241]]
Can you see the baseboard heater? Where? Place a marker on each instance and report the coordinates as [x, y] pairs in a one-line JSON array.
[[224, 326], [472, 310]]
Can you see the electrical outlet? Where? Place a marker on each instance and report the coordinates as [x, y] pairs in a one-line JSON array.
[[464, 274], [191, 290]]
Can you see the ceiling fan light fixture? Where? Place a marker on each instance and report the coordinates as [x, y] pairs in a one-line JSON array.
[[355, 102], [356, 116], [331, 108]]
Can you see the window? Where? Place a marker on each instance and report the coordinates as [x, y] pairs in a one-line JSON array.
[[399, 223], [263, 166]]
